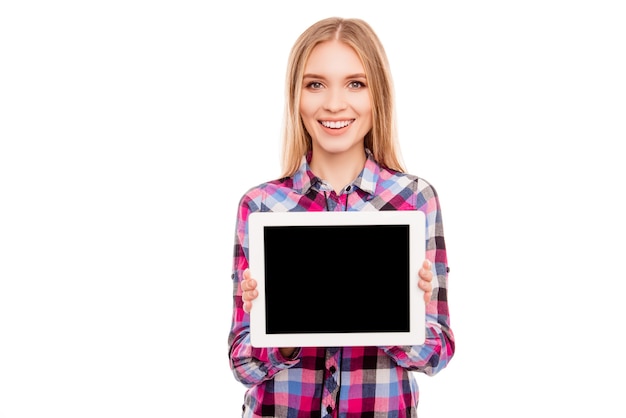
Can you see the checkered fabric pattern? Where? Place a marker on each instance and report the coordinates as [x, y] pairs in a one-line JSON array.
[[343, 382]]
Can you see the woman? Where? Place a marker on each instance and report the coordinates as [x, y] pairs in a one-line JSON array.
[[340, 153]]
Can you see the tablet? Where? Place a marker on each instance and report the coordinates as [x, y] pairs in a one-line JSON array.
[[335, 279]]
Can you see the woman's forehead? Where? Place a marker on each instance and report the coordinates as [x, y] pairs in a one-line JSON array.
[[333, 58]]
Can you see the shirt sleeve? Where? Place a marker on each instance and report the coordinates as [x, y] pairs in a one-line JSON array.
[[438, 348], [250, 365]]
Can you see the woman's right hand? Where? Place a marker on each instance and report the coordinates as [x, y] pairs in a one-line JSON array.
[[248, 290], [248, 294]]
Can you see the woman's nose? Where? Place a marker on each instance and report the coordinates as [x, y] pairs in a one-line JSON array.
[[335, 100]]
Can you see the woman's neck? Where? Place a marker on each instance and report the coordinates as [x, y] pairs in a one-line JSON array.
[[338, 169]]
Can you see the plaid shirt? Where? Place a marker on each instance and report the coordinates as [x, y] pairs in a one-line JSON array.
[[341, 382]]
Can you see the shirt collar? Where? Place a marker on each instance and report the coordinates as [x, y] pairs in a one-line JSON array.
[[304, 179]]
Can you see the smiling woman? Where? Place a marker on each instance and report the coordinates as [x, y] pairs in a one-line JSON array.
[[339, 154]]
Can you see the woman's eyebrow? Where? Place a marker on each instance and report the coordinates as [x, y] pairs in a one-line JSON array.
[[312, 76]]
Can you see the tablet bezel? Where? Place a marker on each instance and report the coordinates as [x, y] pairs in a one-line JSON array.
[[257, 222]]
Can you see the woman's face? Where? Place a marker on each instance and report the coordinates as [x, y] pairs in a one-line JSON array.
[[335, 105]]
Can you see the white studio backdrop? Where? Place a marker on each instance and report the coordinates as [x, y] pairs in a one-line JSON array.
[[129, 130]]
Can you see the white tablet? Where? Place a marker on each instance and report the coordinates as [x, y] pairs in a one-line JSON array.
[[335, 279]]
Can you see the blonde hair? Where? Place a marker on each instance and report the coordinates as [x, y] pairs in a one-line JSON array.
[[382, 139]]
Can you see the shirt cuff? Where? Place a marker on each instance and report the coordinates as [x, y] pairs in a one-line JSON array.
[[281, 362]]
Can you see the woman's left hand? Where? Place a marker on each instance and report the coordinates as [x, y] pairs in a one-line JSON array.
[[425, 281]]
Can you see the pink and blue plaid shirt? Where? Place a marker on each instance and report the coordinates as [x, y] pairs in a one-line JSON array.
[[342, 382]]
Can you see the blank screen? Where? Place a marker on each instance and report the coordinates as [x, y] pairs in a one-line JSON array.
[[337, 279]]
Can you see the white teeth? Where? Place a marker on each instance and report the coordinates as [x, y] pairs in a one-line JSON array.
[[336, 124]]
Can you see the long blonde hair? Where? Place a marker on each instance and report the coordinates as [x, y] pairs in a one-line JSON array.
[[382, 139]]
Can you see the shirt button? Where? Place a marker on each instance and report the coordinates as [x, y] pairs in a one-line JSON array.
[[348, 188], [333, 369], [329, 409]]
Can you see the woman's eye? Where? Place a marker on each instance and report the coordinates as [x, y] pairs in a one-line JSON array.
[[356, 84], [314, 85]]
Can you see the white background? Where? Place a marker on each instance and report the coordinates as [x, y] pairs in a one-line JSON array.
[[129, 130]]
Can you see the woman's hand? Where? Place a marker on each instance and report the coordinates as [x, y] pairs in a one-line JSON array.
[[248, 290], [425, 281], [248, 294]]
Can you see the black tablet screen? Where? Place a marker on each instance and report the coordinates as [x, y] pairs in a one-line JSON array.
[[337, 279]]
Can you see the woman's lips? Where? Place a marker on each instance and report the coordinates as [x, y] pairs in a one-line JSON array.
[[335, 124]]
